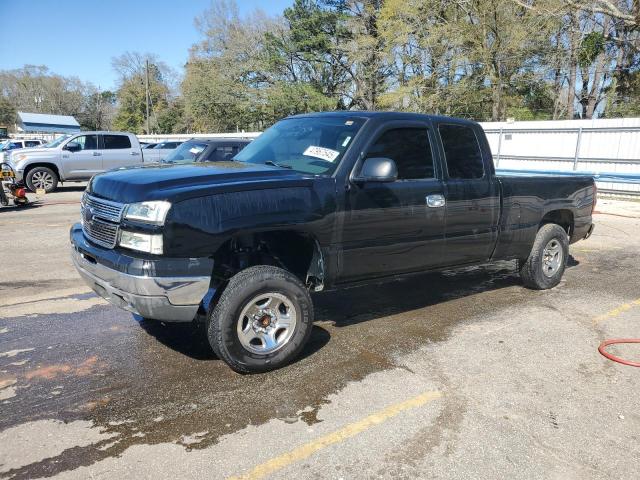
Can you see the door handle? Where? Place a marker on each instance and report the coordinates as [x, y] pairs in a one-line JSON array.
[[134, 153], [435, 201], [96, 154]]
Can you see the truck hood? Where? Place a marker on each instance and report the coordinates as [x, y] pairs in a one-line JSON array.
[[179, 182], [28, 152]]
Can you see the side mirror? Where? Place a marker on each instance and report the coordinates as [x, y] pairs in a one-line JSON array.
[[73, 147], [377, 169]]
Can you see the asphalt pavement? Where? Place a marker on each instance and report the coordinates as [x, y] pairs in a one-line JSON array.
[[451, 375]]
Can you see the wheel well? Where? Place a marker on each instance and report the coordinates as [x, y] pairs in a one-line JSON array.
[[564, 218], [293, 251], [48, 165]]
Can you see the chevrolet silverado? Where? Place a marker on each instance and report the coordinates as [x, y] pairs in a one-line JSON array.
[[318, 201]]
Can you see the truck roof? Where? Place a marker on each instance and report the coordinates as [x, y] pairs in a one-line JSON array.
[[100, 132], [386, 115]]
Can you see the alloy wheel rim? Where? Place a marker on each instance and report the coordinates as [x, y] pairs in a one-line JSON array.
[[552, 258], [266, 323], [42, 180]]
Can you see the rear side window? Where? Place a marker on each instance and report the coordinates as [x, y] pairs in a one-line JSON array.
[[409, 148], [114, 142], [32, 143], [462, 151]]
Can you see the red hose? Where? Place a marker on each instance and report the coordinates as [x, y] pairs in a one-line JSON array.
[[606, 343]]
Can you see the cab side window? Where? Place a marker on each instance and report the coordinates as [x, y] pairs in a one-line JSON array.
[[87, 142], [116, 142], [409, 148], [462, 152]]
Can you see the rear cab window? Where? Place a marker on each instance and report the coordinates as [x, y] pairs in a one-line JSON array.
[[462, 153]]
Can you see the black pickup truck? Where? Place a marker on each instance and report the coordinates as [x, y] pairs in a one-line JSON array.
[[316, 202]]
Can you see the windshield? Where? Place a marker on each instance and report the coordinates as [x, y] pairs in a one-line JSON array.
[[185, 153], [313, 145], [5, 145], [56, 142]]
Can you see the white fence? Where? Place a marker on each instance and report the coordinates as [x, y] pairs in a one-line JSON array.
[[609, 149]]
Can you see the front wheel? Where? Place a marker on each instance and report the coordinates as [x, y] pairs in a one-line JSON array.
[[42, 177], [261, 321], [548, 258]]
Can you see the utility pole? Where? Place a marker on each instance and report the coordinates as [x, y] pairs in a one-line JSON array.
[[147, 92]]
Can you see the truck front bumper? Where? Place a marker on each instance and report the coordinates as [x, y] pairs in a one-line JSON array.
[[161, 289], [19, 176]]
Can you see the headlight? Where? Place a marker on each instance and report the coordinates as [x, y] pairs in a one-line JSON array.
[[148, 212], [142, 242]]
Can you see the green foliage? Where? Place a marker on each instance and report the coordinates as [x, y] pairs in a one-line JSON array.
[[627, 101], [98, 110], [592, 45], [7, 112], [172, 119], [131, 115]]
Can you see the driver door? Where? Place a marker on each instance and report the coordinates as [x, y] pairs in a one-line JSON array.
[[396, 227], [83, 163]]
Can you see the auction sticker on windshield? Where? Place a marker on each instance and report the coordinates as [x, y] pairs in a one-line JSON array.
[[321, 153]]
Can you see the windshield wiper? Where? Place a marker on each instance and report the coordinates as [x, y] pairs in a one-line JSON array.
[[269, 162]]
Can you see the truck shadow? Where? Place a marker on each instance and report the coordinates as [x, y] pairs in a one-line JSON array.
[[354, 305], [360, 304], [190, 339]]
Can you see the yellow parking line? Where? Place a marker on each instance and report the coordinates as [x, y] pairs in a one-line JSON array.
[[618, 310], [305, 451]]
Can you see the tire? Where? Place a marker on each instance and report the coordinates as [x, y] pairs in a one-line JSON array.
[[548, 258], [42, 177], [244, 328]]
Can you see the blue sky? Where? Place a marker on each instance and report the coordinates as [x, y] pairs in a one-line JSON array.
[[79, 37]]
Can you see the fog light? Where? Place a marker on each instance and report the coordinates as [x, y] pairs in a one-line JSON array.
[[141, 242]]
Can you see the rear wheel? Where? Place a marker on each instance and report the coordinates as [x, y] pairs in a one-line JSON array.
[[261, 321], [548, 258], [42, 177]]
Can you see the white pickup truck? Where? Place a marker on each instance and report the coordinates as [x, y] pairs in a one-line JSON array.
[[74, 158]]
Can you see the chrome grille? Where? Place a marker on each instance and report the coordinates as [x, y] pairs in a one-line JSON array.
[[100, 220], [104, 209], [100, 232]]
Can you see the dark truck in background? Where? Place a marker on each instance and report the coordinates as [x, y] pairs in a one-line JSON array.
[[316, 202]]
